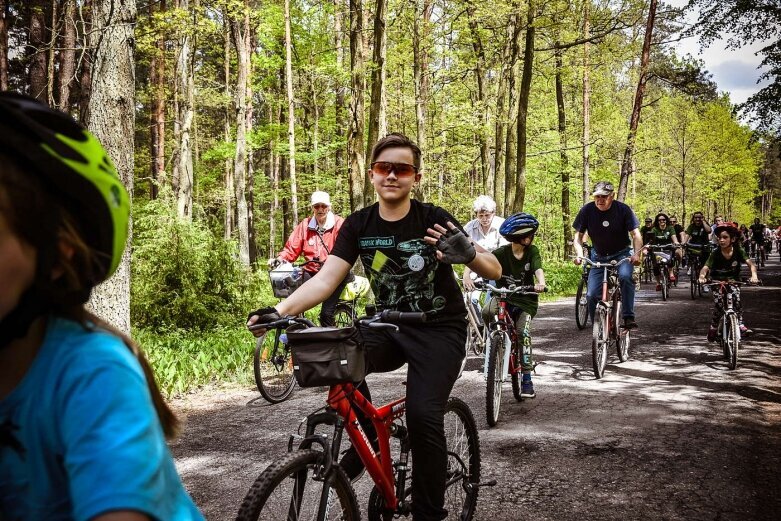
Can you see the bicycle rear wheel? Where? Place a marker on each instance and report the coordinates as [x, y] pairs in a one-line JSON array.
[[694, 282], [463, 461], [494, 377], [273, 367], [581, 305], [599, 341], [287, 490], [732, 341]]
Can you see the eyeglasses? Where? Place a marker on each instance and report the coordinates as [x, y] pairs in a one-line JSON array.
[[400, 169], [319, 206]]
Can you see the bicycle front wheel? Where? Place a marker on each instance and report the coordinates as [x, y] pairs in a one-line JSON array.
[[599, 342], [273, 367], [581, 305], [694, 283], [463, 461], [622, 335], [494, 377], [665, 283], [287, 490], [732, 341]]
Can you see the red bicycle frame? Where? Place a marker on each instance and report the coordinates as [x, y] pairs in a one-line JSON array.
[[342, 398], [504, 320]]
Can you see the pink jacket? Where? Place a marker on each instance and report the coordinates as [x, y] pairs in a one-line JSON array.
[[305, 241]]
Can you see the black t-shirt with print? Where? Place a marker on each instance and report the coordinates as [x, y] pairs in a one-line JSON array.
[[609, 230], [404, 272]]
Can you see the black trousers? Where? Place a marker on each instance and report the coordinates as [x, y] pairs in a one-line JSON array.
[[433, 352], [328, 308]]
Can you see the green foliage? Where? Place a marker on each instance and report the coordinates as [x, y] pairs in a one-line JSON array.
[[561, 278], [183, 276], [183, 361]]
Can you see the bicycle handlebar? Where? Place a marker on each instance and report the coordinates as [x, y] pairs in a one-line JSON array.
[[611, 265], [282, 323]]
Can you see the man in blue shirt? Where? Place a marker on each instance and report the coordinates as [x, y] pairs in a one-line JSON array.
[[609, 224]]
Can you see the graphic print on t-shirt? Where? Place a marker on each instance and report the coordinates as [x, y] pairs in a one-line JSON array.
[[408, 283]]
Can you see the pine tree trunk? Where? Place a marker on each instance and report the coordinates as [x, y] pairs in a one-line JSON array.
[[240, 31], [634, 120], [356, 139], [85, 78], [50, 54], [291, 113], [36, 54], [67, 56], [377, 77], [185, 85], [157, 114], [3, 45], [111, 119], [339, 104], [496, 183]]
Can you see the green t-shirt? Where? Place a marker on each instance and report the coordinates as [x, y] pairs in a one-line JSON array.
[[662, 237], [698, 234], [521, 270], [726, 269]]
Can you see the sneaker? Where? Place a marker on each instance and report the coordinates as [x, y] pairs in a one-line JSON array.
[[712, 334], [658, 287], [527, 389], [629, 323], [352, 465], [744, 331]]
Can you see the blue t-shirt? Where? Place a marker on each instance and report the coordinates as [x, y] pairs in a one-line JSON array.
[[79, 436], [609, 230]]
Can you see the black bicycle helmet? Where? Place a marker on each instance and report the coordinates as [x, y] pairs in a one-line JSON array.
[[519, 226], [77, 170]]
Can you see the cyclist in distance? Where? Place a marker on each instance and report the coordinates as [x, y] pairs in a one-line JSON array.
[[482, 230], [520, 260], [745, 237], [82, 423], [646, 231], [757, 235], [610, 224], [407, 249], [718, 220], [677, 227], [314, 238], [697, 234], [724, 264], [662, 236]]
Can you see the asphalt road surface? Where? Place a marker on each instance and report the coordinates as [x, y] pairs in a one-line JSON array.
[[670, 434]]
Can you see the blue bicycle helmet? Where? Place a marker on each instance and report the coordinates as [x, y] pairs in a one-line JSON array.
[[519, 226]]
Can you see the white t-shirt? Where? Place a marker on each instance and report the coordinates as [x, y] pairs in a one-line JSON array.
[[491, 240]]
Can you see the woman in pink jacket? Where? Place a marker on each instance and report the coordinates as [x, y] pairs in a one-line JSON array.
[[313, 238]]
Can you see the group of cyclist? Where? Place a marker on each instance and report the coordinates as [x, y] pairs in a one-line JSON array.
[[63, 228]]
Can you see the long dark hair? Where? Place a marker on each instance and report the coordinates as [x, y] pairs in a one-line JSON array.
[[38, 219]]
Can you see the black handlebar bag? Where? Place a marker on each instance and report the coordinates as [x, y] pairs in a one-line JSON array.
[[324, 356]]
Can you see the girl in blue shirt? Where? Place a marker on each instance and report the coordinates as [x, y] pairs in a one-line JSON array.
[[82, 423]]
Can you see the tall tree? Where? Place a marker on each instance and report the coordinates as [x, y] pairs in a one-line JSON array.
[[185, 112], [420, 64], [565, 210], [230, 218], [241, 41], [523, 109], [634, 120], [482, 138], [585, 141], [356, 139], [36, 51], [377, 99], [111, 119], [157, 113], [4, 44], [67, 56], [291, 113]]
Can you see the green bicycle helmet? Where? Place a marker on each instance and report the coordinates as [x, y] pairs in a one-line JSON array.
[[75, 168]]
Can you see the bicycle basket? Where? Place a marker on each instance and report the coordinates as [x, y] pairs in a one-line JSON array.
[[285, 279], [356, 289], [324, 356]]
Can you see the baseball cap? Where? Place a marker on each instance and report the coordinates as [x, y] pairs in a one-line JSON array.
[[603, 188], [320, 198]]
